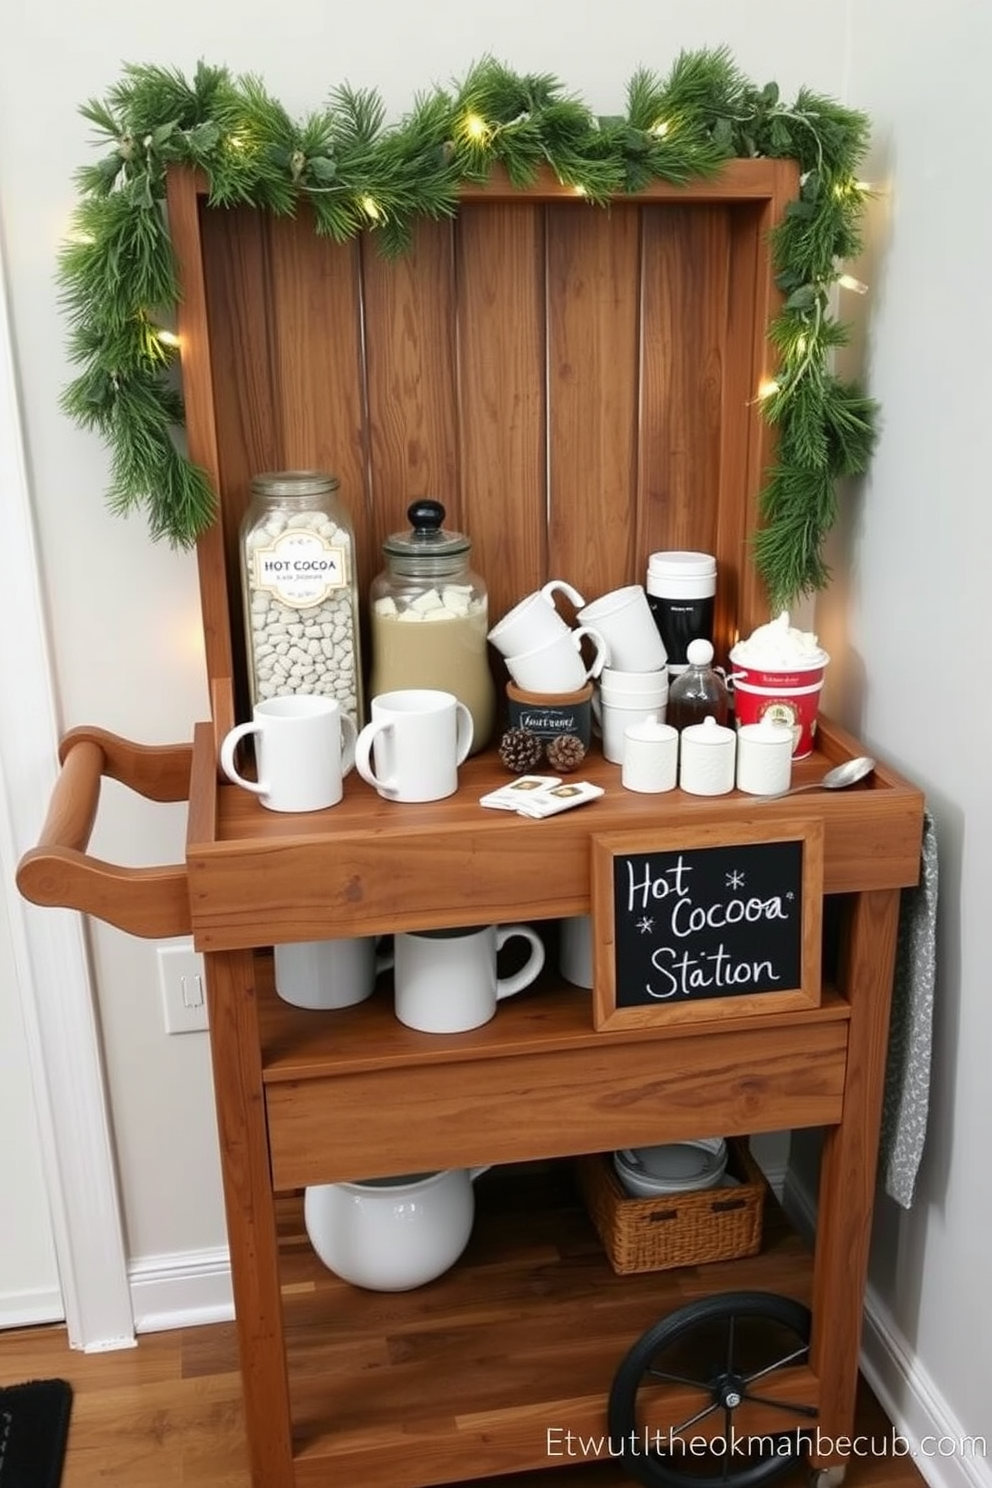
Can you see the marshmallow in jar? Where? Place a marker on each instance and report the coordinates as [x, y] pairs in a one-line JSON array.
[[299, 590], [707, 758]]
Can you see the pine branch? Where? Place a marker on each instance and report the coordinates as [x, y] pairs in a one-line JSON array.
[[117, 276]]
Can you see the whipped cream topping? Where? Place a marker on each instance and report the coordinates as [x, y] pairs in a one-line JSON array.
[[779, 646]]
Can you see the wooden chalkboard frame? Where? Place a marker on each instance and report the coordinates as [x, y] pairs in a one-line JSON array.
[[694, 838]]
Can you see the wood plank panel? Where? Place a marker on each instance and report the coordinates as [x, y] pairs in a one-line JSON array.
[[562, 1103], [742, 505], [502, 404], [685, 258], [317, 364], [409, 317], [196, 357], [593, 387], [249, 435]]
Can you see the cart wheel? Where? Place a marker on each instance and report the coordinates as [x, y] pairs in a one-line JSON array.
[[827, 1477], [695, 1401]]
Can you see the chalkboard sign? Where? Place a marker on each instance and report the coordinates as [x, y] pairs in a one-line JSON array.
[[706, 921]]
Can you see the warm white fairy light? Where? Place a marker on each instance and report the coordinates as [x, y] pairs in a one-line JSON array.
[[475, 128], [371, 208], [167, 338], [767, 389], [848, 281], [661, 128]]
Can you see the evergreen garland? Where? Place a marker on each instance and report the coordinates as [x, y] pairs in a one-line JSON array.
[[118, 275]]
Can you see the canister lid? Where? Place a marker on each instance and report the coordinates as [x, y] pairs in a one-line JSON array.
[[293, 483], [709, 732], [425, 538], [681, 565]]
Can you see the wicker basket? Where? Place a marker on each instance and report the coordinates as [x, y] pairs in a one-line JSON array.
[[683, 1229]]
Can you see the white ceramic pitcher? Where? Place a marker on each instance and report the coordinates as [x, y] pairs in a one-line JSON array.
[[392, 1234]]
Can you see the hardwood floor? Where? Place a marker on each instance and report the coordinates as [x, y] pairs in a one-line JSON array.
[[169, 1413]]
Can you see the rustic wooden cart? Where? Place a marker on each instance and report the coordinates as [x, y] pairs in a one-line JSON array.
[[578, 386]]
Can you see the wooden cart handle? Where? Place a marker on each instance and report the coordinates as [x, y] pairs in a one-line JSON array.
[[59, 873]]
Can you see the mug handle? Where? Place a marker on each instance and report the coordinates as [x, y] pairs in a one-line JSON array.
[[349, 741], [363, 755], [600, 645], [227, 748], [559, 586], [466, 733], [506, 986]]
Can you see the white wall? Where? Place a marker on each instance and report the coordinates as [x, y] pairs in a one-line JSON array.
[[914, 613], [909, 603]]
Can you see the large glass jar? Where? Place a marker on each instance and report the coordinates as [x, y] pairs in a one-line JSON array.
[[300, 590], [430, 618]]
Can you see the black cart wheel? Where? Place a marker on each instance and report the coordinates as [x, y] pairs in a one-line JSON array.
[[694, 1401]]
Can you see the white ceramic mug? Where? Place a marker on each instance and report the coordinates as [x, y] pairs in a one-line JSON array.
[[329, 973], [558, 665], [304, 746], [624, 617], [613, 720], [764, 758], [411, 749], [534, 620], [446, 981], [575, 950], [650, 757], [653, 682]]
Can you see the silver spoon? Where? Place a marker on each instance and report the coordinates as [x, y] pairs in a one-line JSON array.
[[841, 775]]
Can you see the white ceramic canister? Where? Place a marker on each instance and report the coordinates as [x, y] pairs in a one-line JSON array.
[[707, 758], [650, 757], [764, 758]]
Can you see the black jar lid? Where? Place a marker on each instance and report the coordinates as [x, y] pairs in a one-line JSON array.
[[425, 538]]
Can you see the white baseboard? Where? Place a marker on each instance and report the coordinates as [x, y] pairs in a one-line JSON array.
[[906, 1392], [181, 1290], [28, 1309]]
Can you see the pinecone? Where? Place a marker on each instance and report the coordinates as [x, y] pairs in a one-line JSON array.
[[520, 750], [566, 753]]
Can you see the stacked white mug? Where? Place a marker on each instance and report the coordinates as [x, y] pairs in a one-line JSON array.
[[634, 686], [542, 652]]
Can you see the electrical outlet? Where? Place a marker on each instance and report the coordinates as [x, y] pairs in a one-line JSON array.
[[184, 991]]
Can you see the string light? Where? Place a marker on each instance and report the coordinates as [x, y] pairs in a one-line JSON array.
[[371, 208], [475, 128], [848, 281], [661, 128], [167, 338], [767, 389]]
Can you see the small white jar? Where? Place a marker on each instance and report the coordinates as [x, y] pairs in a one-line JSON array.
[[764, 758], [708, 755], [650, 757]]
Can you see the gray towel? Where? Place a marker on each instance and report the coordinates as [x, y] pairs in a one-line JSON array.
[[907, 1075]]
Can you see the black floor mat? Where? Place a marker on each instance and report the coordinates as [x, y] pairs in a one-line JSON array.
[[34, 1424]]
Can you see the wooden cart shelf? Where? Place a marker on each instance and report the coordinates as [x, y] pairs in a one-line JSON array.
[[531, 1314], [578, 387]]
